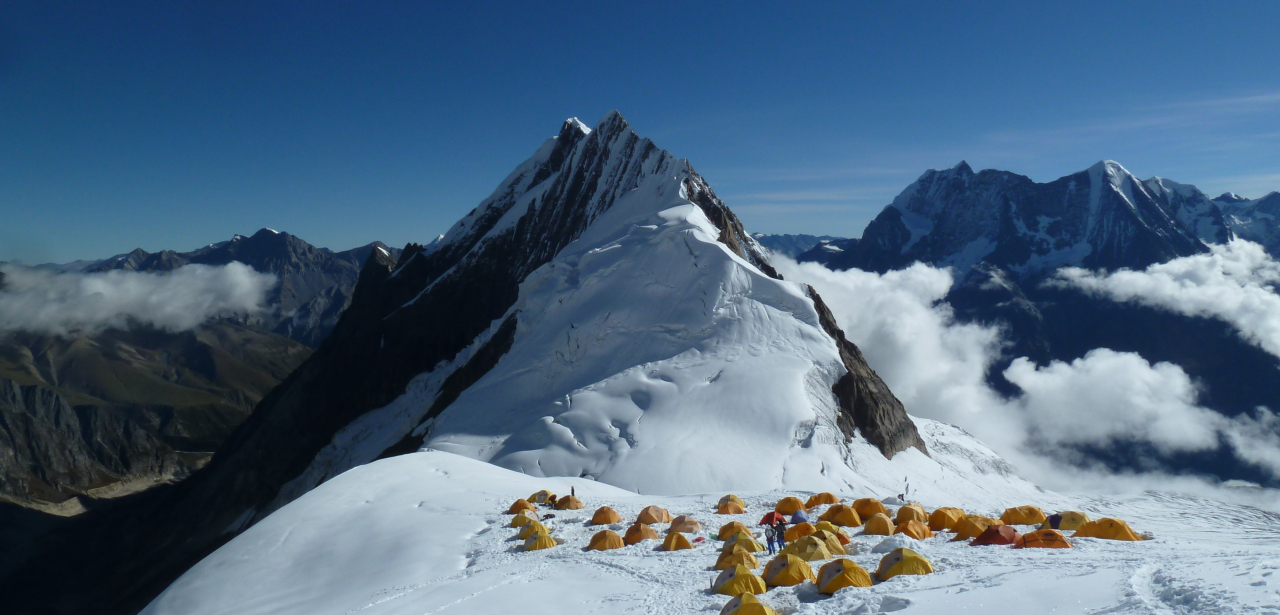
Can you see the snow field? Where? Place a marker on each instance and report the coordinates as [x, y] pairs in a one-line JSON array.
[[426, 533]]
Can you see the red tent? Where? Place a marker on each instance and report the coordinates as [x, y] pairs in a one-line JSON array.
[[996, 535], [772, 518]]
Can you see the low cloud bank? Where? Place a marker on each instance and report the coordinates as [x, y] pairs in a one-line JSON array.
[[1235, 282], [937, 367], [46, 302]]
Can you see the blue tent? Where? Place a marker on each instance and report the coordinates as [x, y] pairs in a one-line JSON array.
[[800, 517]]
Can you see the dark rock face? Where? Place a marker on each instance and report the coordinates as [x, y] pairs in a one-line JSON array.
[[88, 415], [866, 403], [315, 283], [406, 316]]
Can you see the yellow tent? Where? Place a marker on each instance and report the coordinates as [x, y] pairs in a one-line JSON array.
[[1067, 520], [786, 571], [675, 541], [605, 540], [843, 515], [541, 497], [868, 507], [798, 530], [684, 523], [524, 517], [808, 548], [533, 528], [840, 574], [1023, 515], [568, 502], [945, 518], [878, 525], [539, 541], [605, 515], [737, 581], [902, 561], [639, 531], [520, 505], [747, 604], [733, 498], [653, 515], [831, 540], [745, 540], [826, 526], [820, 499], [972, 526], [911, 512], [914, 529], [1107, 528], [789, 505], [730, 508], [736, 556], [729, 529]]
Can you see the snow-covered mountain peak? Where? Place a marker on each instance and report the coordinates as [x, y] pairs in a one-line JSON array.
[[1230, 197], [574, 122]]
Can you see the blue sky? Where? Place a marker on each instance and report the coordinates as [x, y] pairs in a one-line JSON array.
[[167, 125]]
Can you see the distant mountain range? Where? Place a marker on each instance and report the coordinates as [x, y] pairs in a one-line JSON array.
[[315, 283], [1004, 235], [791, 246]]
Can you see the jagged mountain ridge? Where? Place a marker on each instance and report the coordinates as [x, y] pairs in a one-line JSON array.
[[315, 283], [1004, 235], [442, 312]]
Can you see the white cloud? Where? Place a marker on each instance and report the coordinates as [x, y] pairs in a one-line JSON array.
[[937, 368], [46, 302], [1235, 282]]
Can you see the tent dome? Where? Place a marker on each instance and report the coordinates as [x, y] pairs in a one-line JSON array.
[[997, 535], [797, 531], [868, 507], [605, 540], [675, 541], [1107, 528], [972, 526], [1042, 539], [605, 516], [1065, 521], [747, 604], [945, 518], [737, 581], [568, 502], [842, 515], [736, 555], [818, 499], [638, 532], [729, 529], [902, 561], [911, 512], [684, 523], [1023, 515], [914, 529], [653, 515], [520, 505], [789, 505], [786, 571], [878, 525], [841, 573]]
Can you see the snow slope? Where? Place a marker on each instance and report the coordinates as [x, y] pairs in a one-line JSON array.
[[424, 533]]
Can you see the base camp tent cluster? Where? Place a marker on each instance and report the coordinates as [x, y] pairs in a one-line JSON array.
[[806, 542]]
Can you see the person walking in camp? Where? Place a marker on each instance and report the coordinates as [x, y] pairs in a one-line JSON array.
[[771, 535], [780, 532]]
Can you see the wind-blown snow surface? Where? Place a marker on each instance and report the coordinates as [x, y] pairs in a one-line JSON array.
[[425, 533]]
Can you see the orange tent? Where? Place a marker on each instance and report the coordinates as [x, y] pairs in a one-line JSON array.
[[731, 528], [605, 515], [789, 505], [841, 573], [820, 499], [653, 514], [519, 505], [972, 526], [997, 535], [868, 507], [568, 502], [1023, 515], [798, 530], [684, 523], [1042, 539], [826, 526], [842, 515], [638, 532], [914, 529], [730, 508], [1107, 528], [878, 525], [605, 540], [733, 498], [911, 512], [945, 518]]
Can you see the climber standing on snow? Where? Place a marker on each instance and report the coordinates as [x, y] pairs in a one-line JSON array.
[[780, 532], [771, 535]]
